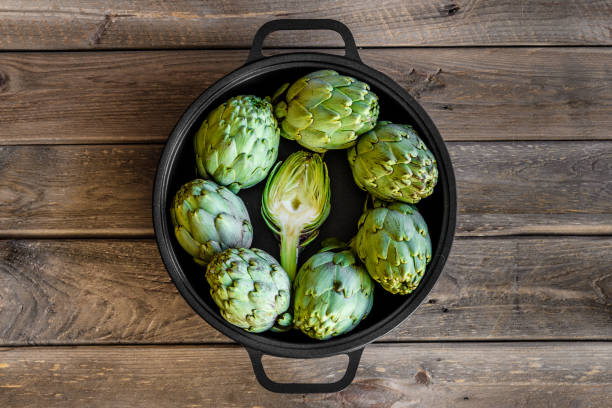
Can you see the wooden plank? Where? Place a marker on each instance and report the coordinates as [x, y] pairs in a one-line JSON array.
[[77, 190], [110, 291], [46, 24], [90, 291], [522, 187], [458, 375], [504, 188], [122, 97]]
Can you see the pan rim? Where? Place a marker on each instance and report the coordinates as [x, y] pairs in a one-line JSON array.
[[341, 344]]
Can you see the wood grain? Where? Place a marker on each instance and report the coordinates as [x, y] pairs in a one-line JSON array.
[[521, 187], [513, 321], [46, 24], [472, 94], [110, 291], [443, 375], [72, 190], [503, 188]]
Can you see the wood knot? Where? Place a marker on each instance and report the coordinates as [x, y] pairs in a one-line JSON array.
[[101, 29], [603, 288], [421, 82], [449, 10], [422, 377], [3, 80]]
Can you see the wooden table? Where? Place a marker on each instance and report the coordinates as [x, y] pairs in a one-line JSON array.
[[522, 93]]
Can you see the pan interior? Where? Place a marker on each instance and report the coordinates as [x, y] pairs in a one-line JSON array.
[[346, 203]]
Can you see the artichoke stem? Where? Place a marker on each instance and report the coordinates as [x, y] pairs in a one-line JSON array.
[[289, 246]]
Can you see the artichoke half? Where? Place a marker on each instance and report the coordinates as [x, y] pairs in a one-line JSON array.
[[251, 289], [325, 110], [392, 163], [393, 242], [332, 293], [237, 143], [209, 218], [295, 202]]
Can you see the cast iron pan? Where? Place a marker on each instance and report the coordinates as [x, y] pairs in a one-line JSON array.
[[261, 76]]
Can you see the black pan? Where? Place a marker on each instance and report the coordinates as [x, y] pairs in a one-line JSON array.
[[261, 76]]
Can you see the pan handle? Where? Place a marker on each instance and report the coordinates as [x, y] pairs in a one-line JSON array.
[[303, 24], [312, 388]]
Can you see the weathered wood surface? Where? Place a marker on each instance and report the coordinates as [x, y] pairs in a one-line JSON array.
[[81, 134], [419, 375], [504, 188], [77, 190], [46, 24], [109, 291], [472, 94]]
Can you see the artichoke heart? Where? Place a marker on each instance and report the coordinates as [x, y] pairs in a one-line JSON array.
[[295, 202], [208, 219], [237, 143], [332, 293], [394, 244], [392, 163], [251, 289], [325, 110]]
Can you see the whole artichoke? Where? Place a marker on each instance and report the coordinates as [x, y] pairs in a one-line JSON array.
[[237, 143], [295, 202], [325, 110], [393, 242], [251, 289], [332, 293], [392, 163], [209, 218]]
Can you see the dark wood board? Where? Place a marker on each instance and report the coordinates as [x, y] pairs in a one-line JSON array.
[[472, 94], [521, 91], [503, 188], [97, 24], [400, 375], [117, 291]]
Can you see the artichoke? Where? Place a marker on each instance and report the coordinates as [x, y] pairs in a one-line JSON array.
[[250, 288], [209, 218], [237, 143], [325, 110], [392, 163], [295, 202], [393, 242], [332, 293]]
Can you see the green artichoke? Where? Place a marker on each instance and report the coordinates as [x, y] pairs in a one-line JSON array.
[[251, 289], [295, 202], [325, 110], [393, 242], [392, 163], [237, 143], [209, 218], [332, 293]]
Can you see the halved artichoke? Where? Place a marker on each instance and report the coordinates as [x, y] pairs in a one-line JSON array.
[[295, 202]]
